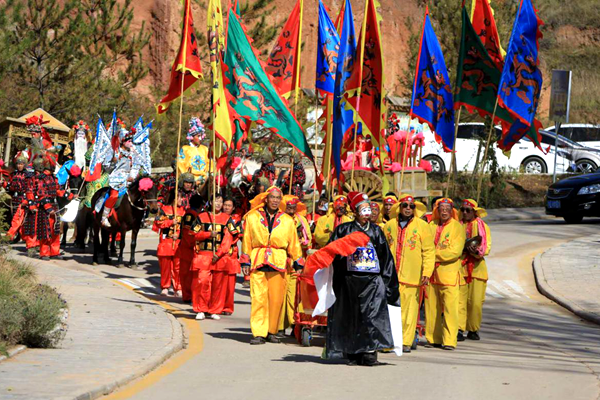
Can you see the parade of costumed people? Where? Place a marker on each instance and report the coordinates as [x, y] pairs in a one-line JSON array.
[[340, 237]]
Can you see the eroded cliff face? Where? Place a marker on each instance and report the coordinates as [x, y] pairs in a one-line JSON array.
[[163, 19]]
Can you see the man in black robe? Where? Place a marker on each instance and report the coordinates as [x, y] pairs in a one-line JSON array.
[[358, 323]]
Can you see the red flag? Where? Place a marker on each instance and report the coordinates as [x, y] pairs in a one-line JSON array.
[[482, 18], [284, 61], [364, 88], [187, 64]]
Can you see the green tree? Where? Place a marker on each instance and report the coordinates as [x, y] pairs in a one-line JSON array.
[[74, 57]]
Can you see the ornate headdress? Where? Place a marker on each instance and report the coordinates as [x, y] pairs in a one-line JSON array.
[[196, 128]]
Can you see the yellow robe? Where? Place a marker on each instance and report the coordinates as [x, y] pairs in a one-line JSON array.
[[472, 295], [441, 306], [267, 287], [287, 311], [417, 261], [194, 160], [325, 227]]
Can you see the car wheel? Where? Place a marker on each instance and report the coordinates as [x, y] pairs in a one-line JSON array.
[[437, 164], [534, 165], [585, 166], [573, 218]]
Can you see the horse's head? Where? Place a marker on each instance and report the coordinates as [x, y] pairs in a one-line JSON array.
[[148, 191], [75, 179]]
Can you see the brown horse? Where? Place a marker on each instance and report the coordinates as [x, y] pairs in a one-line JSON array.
[[128, 216]]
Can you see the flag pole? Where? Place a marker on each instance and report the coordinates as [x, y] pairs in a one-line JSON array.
[[185, 14], [404, 155], [316, 148], [297, 89], [453, 160], [329, 119], [485, 153], [363, 30]]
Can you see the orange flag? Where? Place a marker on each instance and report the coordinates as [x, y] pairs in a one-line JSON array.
[[187, 64], [482, 18], [284, 61]]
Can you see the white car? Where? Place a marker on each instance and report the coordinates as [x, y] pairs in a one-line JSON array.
[[524, 155], [585, 134]]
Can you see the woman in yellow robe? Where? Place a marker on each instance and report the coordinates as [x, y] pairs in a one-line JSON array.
[[474, 269], [441, 305], [293, 207], [336, 215]]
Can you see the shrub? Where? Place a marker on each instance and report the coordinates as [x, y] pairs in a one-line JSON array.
[[29, 311]]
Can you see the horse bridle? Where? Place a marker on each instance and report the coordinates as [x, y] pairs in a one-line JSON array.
[[145, 200]]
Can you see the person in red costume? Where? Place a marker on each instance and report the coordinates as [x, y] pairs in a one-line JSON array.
[[41, 196], [165, 225], [235, 228], [16, 187], [207, 236]]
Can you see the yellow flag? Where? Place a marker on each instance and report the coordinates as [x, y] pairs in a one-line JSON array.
[[216, 46]]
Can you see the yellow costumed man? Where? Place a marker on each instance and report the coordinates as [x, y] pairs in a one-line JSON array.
[[336, 215], [478, 245], [193, 158], [270, 238], [441, 305], [411, 244], [388, 202], [292, 206]]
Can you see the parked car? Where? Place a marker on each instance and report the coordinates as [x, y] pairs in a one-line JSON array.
[[583, 159], [574, 198], [585, 134], [524, 156]]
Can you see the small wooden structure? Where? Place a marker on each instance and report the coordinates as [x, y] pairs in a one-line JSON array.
[[15, 137]]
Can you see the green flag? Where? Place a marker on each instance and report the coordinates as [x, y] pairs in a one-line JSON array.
[[477, 79], [252, 93]]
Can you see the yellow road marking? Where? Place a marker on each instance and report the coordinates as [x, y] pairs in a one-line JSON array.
[[195, 345]]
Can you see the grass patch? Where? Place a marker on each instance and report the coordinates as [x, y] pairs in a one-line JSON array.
[[502, 190], [29, 311]]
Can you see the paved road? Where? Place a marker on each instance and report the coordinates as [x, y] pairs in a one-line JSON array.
[[530, 348]]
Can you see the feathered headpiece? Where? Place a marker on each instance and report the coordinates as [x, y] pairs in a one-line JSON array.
[[36, 124], [196, 128], [80, 127]]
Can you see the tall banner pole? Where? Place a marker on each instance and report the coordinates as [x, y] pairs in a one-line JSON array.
[[485, 154], [314, 197], [404, 154], [453, 161], [363, 32], [183, 71], [297, 88]]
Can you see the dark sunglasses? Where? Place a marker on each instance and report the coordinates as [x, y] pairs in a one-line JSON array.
[[404, 205], [466, 210]]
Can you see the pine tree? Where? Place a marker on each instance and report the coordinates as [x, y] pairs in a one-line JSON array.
[[74, 56]]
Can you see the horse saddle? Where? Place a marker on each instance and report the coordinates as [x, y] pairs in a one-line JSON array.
[[102, 199]]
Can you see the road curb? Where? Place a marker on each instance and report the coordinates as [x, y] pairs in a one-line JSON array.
[[13, 352], [176, 344], [545, 288]]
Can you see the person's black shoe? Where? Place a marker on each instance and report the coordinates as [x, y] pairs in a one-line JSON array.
[[460, 337], [448, 347], [257, 340], [186, 301], [273, 339], [353, 359], [406, 349], [280, 334], [473, 336], [45, 258], [369, 360]]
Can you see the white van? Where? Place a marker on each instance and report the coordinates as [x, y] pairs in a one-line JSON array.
[[585, 134], [524, 155]]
